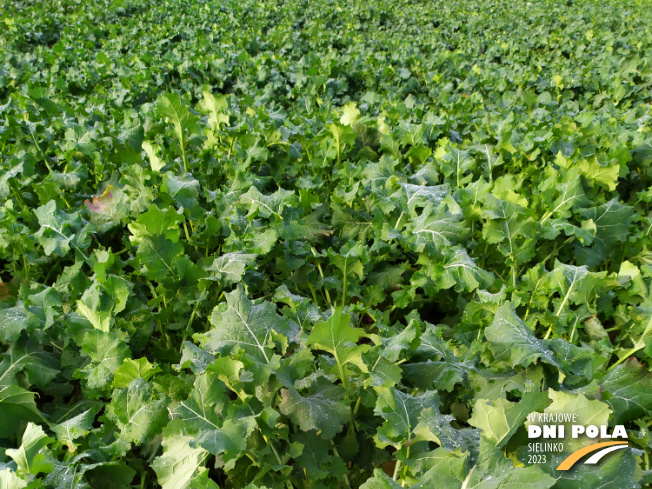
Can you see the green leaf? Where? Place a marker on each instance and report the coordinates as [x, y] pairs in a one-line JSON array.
[[618, 471], [512, 341], [460, 271], [207, 404], [518, 478], [244, 324], [102, 301], [170, 107], [455, 164], [206, 416], [567, 280], [611, 221], [81, 139], [232, 373], [110, 475], [15, 319], [184, 189], [74, 428], [434, 426], [106, 352], [229, 268], [138, 410], [422, 195], [316, 459], [401, 413], [337, 337], [16, 406], [449, 473], [380, 480], [321, 408], [156, 222], [57, 228], [400, 341], [268, 205], [37, 365], [441, 227], [157, 255], [628, 391], [508, 227]]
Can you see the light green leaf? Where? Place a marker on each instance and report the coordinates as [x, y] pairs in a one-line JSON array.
[[349, 114], [179, 462], [587, 412], [171, 107], [30, 458], [154, 161], [499, 419], [216, 107], [10, 480], [132, 369]]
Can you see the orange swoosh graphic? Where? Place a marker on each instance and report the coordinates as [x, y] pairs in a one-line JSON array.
[[575, 456]]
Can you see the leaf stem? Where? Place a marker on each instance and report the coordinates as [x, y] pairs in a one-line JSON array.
[[407, 456], [396, 468], [346, 477], [321, 273], [357, 406], [183, 155], [570, 339], [545, 216], [314, 294], [278, 458], [40, 150], [202, 296], [22, 252], [398, 220]]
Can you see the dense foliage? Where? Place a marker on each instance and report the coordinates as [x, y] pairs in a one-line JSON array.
[[322, 244]]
